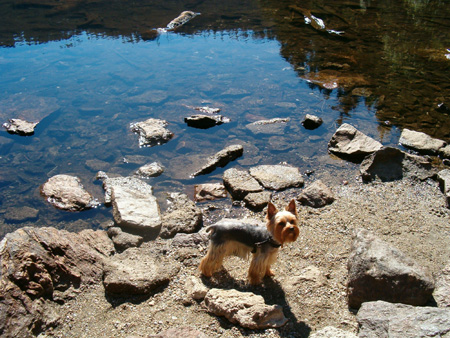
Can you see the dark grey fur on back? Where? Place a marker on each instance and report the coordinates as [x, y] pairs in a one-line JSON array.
[[246, 234]]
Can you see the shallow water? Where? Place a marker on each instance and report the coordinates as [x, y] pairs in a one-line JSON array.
[[88, 70]]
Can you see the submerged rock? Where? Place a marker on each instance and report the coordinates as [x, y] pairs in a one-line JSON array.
[[152, 132], [240, 183], [66, 192], [21, 127], [385, 320], [351, 143], [221, 159], [153, 169], [21, 214], [277, 177], [420, 142], [272, 126], [378, 271]]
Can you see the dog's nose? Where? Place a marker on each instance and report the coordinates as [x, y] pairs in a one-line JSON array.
[[291, 229]]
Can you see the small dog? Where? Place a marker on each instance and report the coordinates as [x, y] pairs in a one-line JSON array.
[[241, 240]]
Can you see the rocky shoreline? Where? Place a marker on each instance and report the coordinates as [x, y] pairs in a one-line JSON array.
[[379, 246]]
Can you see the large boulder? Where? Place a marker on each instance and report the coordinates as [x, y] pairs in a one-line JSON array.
[[152, 132], [350, 143], [240, 183], [40, 265], [378, 271], [181, 216], [244, 308], [277, 177], [420, 142], [389, 164], [385, 320], [66, 192], [220, 159]]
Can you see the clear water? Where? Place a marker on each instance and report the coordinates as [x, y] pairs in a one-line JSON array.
[[87, 85]]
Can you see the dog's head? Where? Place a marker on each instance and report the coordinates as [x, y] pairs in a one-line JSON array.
[[283, 225]]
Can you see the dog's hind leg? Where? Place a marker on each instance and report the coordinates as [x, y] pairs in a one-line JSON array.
[[213, 260]]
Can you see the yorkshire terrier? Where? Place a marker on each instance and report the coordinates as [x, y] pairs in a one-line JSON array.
[[243, 239]]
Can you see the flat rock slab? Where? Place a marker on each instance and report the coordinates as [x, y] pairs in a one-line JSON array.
[[420, 142], [350, 143], [317, 195], [244, 308], [277, 177], [378, 271], [137, 272], [181, 216], [385, 320], [240, 183], [152, 132], [21, 127], [220, 159], [134, 206], [272, 126], [66, 192]]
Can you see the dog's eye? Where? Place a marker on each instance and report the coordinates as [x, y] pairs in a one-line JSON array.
[[282, 224]]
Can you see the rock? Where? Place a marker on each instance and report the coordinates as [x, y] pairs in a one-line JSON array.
[[257, 200], [378, 271], [39, 265], [182, 216], [240, 183], [385, 320], [21, 214], [420, 142], [149, 97], [441, 293], [153, 169], [189, 240], [317, 195], [350, 143], [21, 127], [272, 126], [134, 206], [138, 272], [180, 332], [244, 308], [389, 164], [310, 274], [202, 121], [331, 79], [445, 151], [97, 165], [152, 132], [332, 332], [209, 191], [123, 240], [277, 177], [67, 193], [443, 178], [195, 288], [221, 159], [312, 122]]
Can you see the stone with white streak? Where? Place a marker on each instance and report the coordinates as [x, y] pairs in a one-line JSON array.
[[420, 142]]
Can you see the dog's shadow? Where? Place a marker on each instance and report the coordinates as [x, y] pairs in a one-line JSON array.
[[273, 294]]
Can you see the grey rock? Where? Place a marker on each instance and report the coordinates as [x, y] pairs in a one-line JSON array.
[[97, 165], [195, 288], [66, 192], [202, 121], [257, 200], [332, 332], [378, 271], [312, 122], [389, 164], [137, 272], [152, 132], [441, 293], [420, 142], [209, 191], [443, 178], [182, 216], [21, 214], [134, 206], [272, 126], [385, 320], [153, 169], [123, 240], [350, 143], [221, 159], [244, 308], [180, 332], [317, 195], [190, 240], [21, 127], [240, 183], [277, 177]]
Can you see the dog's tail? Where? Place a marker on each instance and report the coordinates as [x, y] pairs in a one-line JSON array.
[[211, 229]]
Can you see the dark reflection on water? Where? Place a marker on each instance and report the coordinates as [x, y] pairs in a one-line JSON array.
[[84, 70]]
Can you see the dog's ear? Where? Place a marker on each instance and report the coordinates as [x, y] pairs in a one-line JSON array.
[[292, 208], [271, 210]]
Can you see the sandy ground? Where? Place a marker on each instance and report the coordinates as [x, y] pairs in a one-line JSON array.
[[412, 216]]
